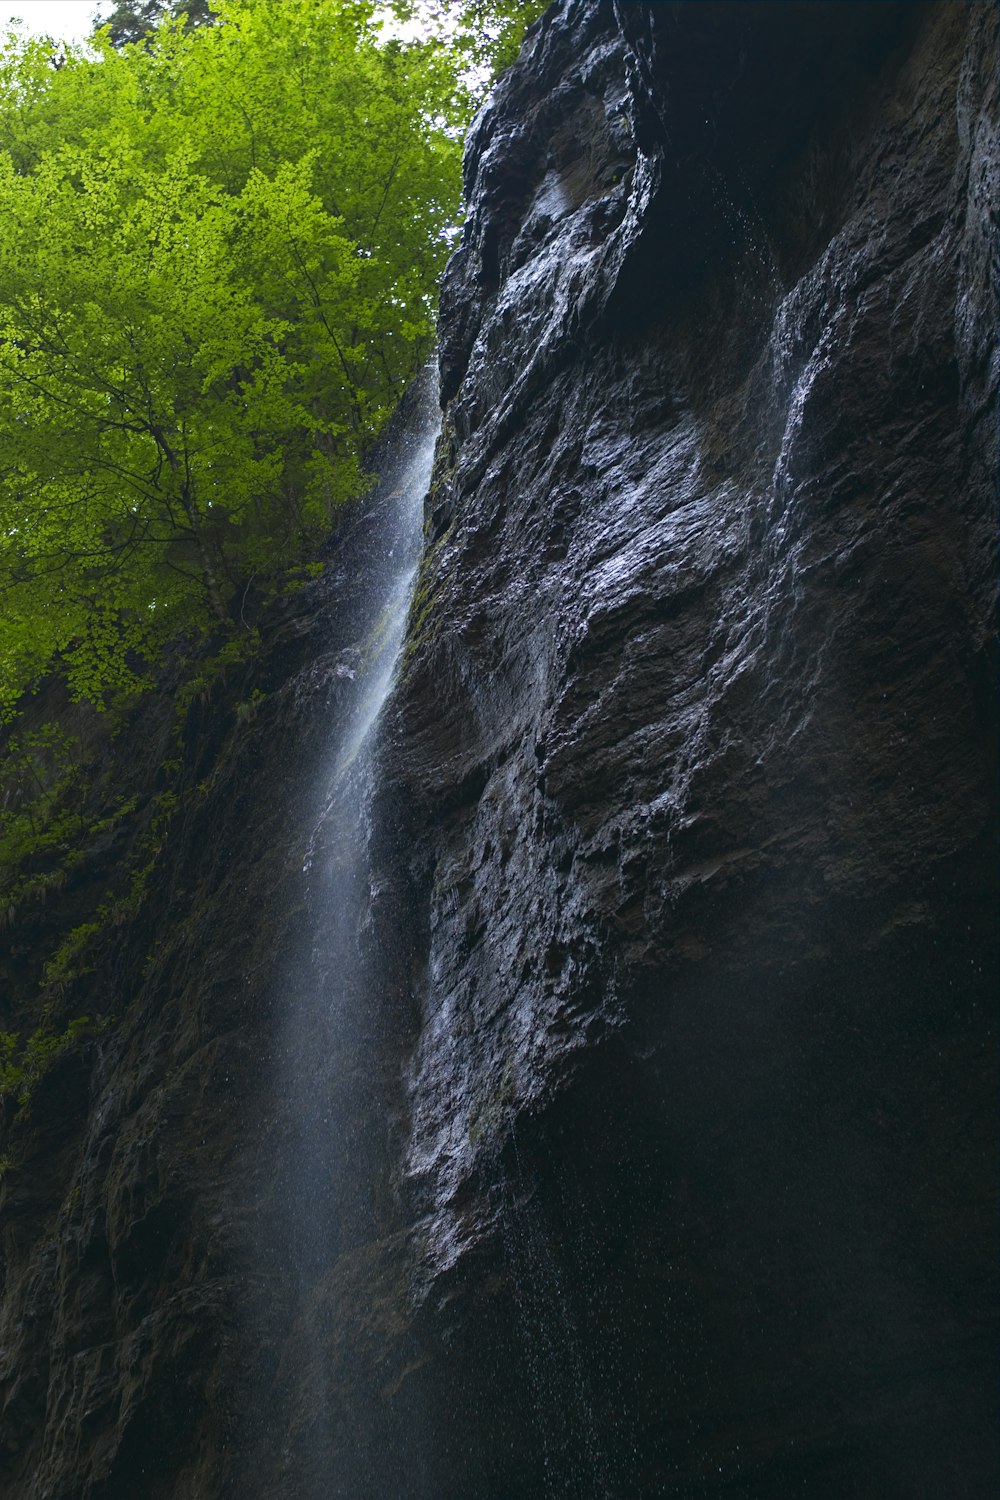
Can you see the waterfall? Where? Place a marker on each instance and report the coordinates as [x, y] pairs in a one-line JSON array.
[[396, 554], [333, 1040]]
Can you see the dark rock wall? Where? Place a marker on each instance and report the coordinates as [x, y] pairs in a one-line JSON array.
[[699, 766], [681, 1156]]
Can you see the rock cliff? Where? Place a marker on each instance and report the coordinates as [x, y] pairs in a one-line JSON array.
[[665, 1157]]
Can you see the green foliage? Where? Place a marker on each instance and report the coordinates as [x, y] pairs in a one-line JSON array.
[[39, 773], [46, 823], [65, 964], [485, 34], [218, 254], [24, 1064], [137, 20], [42, 785], [70, 960], [199, 684], [247, 710]]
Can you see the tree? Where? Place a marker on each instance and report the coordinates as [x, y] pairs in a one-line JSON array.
[[219, 252], [137, 20], [218, 255], [486, 34]]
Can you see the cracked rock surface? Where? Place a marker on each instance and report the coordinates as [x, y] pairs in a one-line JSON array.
[[698, 762]]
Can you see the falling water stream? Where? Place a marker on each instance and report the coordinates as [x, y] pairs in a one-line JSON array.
[[394, 571], [332, 1044]]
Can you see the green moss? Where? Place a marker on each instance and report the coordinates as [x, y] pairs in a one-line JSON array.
[[423, 623], [492, 1110], [23, 1065], [246, 711], [200, 684], [45, 785], [66, 964]]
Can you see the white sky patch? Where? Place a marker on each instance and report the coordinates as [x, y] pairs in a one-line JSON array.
[[73, 20], [63, 20]]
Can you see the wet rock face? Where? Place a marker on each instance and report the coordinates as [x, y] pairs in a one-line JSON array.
[[698, 767]]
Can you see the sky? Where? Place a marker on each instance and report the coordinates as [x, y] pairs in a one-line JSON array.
[[66, 20]]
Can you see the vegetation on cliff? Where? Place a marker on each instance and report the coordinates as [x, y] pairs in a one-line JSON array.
[[220, 239]]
